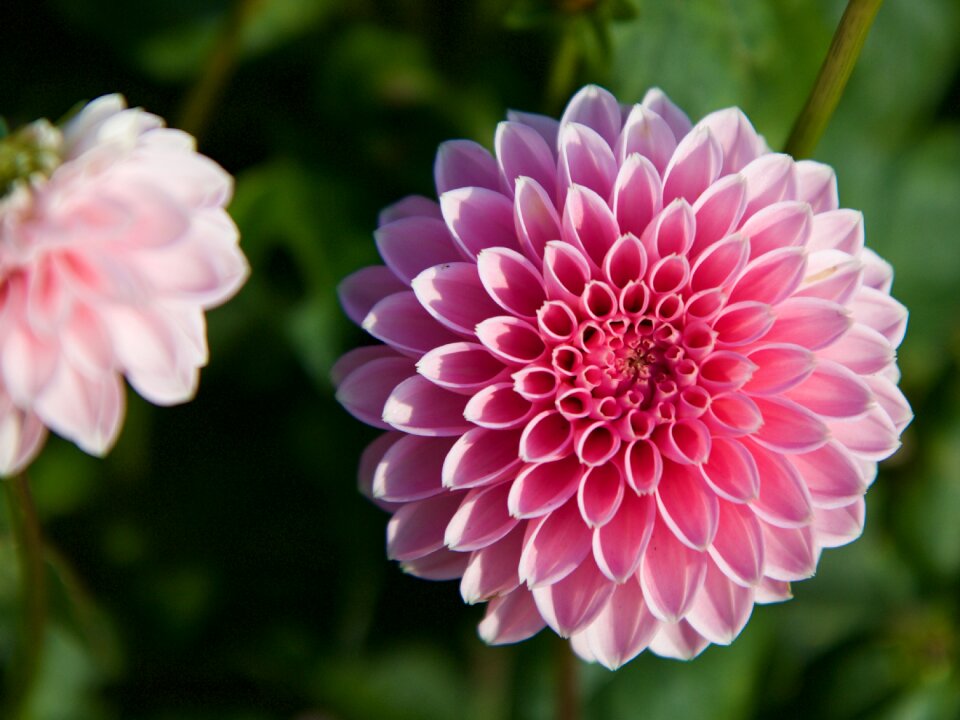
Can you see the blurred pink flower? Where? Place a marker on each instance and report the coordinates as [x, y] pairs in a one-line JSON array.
[[113, 242], [636, 375]]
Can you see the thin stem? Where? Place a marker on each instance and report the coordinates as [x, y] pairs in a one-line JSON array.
[[834, 73], [29, 541], [205, 94], [568, 683]]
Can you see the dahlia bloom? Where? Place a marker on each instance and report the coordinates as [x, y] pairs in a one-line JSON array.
[[113, 242], [635, 375]]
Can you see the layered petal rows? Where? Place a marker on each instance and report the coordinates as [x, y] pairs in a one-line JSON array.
[[107, 263], [635, 375]]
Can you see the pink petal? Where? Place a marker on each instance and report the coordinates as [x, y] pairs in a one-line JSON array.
[[832, 391], [672, 232], [724, 370], [679, 641], [481, 520], [453, 294], [781, 225], [411, 245], [353, 359], [585, 159], [366, 287], [838, 526], [511, 618], [547, 127], [718, 211], [597, 443], [721, 608], [671, 574], [419, 407], [461, 367], [492, 570], [892, 401], [554, 547], [647, 134], [738, 141], [572, 603], [402, 322], [411, 469], [743, 322], [738, 548], [600, 494], [623, 628], [28, 363], [783, 499], [410, 206], [498, 406], [441, 564], [464, 163], [548, 436], [837, 230], [369, 460], [478, 219], [816, 185], [669, 275], [618, 546], [779, 367], [788, 427], [522, 152], [597, 109], [771, 277], [871, 437], [878, 273], [685, 441], [720, 264], [694, 166], [731, 471], [557, 322], [791, 553], [589, 224], [541, 488], [643, 466], [512, 281], [364, 392], [566, 272], [770, 178], [481, 457], [809, 322], [733, 414], [417, 528], [637, 195], [832, 275], [536, 219], [657, 101], [771, 591], [862, 349], [687, 506], [880, 312], [87, 411], [514, 341]]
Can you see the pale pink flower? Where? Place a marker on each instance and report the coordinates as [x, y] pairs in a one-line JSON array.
[[636, 375], [113, 242]]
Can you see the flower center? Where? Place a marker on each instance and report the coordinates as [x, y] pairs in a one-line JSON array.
[[31, 153]]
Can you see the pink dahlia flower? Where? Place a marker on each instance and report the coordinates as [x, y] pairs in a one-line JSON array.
[[113, 242], [635, 375]]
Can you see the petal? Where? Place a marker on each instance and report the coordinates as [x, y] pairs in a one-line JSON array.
[[671, 232], [536, 219], [364, 392], [838, 526], [481, 457], [679, 641], [880, 312], [637, 194], [837, 230], [738, 548], [410, 206], [573, 602], [548, 436], [498, 406], [871, 437], [554, 546], [718, 211], [511, 618], [770, 178], [791, 553], [736, 137], [566, 272], [832, 391], [657, 101], [402, 322], [731, 471], [441, 564], [461, 367], [411, 245], [771, 277], [694, 166], [687, 506], [512, 281], [585, 159], [788, 427], [589, 224], [548, 127], [783, 499], [809, 322], [743, 322], [411, 468], [597, 109], [618, 546], [87, 411], [892, 401], [481, 520], [417, 528], [733, 414], [862, 349], [369, 460], [541, 488], [643, 466], [624, 627], [720, 264], [670, 574], [816, 185], [492, 570], [464, 163], [647, 134], [419, 407], [779, 367], [522, 152], [781, 225], [831, 475], [514, 341], [479, 218], [721, 608], [453, 294], [353, 359], [360, 291], [600, 494]]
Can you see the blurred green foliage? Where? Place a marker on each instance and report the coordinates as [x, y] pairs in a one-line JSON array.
[[220, 563]]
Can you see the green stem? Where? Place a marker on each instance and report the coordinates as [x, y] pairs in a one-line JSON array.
[[29, 541], [564, 69], [568, 683], [834, 73], [205, 94]]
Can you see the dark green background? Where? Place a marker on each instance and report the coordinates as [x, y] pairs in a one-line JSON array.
[[219, 564]]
